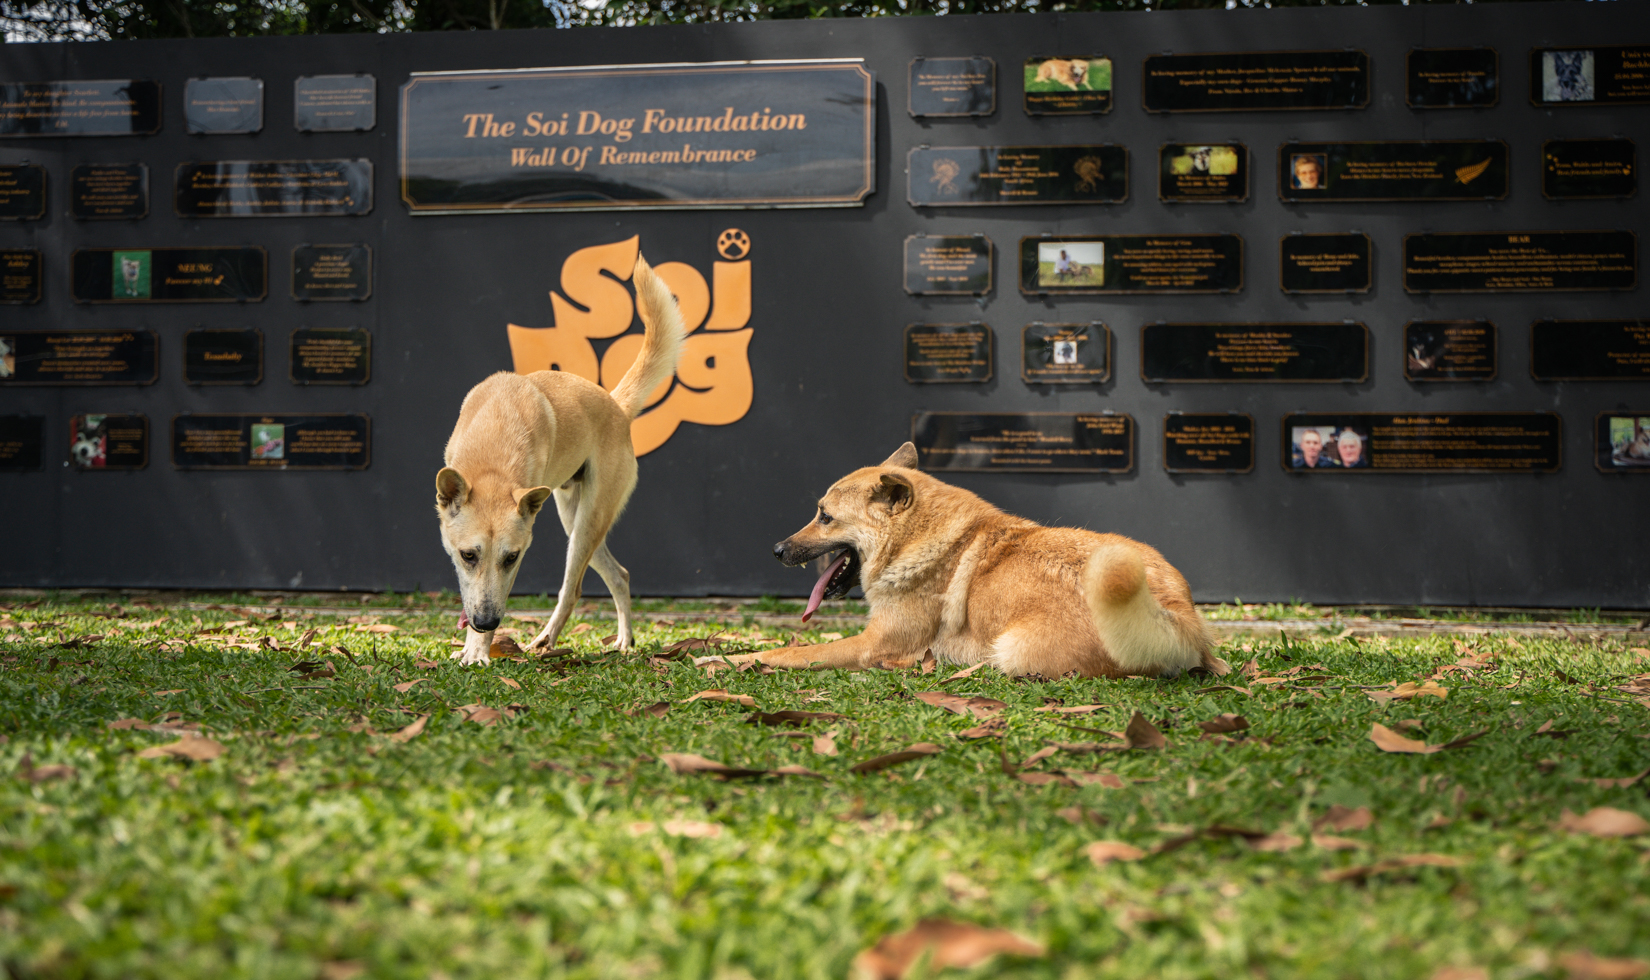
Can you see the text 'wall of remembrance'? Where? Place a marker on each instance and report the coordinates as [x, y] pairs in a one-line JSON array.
[[1275, 287]]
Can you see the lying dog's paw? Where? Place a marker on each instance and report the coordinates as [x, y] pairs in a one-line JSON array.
[[742, 658]]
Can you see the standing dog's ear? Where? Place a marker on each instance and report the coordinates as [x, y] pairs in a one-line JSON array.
[[895, 492], [528, 501], [451, 489], [905, 456]]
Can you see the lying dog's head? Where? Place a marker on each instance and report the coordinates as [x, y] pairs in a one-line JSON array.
[[852, 522], [486, 530]]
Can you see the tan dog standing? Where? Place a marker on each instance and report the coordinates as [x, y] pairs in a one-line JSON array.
[[519, 436], [945, 571]]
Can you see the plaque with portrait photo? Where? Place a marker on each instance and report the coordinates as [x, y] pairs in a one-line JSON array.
[[1590, 350], [1081, 264], [334, 103], [84, 107], [972, 176], [1203, 173], [1450, 350], [1209, 442], [1024, 442], [230, 274], [1621, 442], [223, 106], [331, 356], [1452, 78], [1598, 75], [273, 188], [1574, 170], [1068, 85], [1065, 353], [948, 265], [22, 440], [943, 87], [108, 443], [1256, 81], [1227, 353], [1533, 261], [22, 192], [314, 441], [109, 192], [1333, 263], [223, 357], [21, 277], [947, 353], [68, 358], [1393, 170], [1423, 442]]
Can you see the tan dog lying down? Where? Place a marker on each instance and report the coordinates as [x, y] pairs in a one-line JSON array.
[[945, 571]]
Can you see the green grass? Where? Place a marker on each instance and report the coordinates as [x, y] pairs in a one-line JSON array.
[[316, 848]]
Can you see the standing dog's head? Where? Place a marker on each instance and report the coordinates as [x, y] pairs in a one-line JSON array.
[[486, 529], [853, 520]]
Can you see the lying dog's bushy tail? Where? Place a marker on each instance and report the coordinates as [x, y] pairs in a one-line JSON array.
[[1140, 635], [661, 341]]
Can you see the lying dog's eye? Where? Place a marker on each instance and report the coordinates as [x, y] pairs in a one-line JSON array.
[[468, 556], [824, 518], [510, 559]]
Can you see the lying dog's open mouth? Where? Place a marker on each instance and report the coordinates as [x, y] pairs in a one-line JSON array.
[[840, 576]]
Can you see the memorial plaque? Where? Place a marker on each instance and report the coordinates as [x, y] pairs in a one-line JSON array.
[[1600, 75], [20, 276], [330, 356], [1575, 169], [1209, 443], [762, 134], [109, 442], [22, 441], [1369, 442], [280, 441], [1450, 350], [1068, 85], [1621, 442], [331, 273], [1326, 263], [1065, 353], [223, 357], [1254, 352], [231, 274], [91, 107], [952, 87], [1590, 350], [223, 106], [1534, 261], [334, 103], [1198, 173], [109, 191], [1393, 170], [1131, 264], [258, 188], [22, 192], [963, 176], [948, 265], [1025, 442], [1452, 78], [79, 357], [937, 353], [1256, 81]]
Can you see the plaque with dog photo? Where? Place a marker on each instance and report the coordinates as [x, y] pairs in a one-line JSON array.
[[1068, 85]]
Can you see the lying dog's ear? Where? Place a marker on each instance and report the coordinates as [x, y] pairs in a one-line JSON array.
[[895, 492], [528, 501], [905, 456], [451, 489]]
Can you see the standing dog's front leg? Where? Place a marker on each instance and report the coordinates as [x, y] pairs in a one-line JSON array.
[[478, 647]]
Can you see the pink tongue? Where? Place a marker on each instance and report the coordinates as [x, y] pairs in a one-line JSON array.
[[818, 593], [463, 619]]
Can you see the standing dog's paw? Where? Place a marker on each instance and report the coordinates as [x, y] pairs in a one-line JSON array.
[[471, 659]]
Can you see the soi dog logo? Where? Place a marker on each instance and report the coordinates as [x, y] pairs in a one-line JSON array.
[[712, 385]]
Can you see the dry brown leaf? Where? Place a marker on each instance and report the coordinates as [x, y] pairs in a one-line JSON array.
[[978, 707], [191, 746], [1076, 709], [1409, 689], [721, 694], [948, 944], [1363, 871], [691, 828], [510, 682], [1223, 723], [161, 694], [990, 728], [1276, 841], [1080, 815], [1102, 851], [1045, 778], [307, 638], [1039, 756], [966, 672], [1345, 818], [1604, 821], [1109, 780], [1329, 842], [657, 710], [425, 664], [1388, 740], [1226, 687], [1251, 669], [26, 769], [906, 754], [1619, 783], [1586, 966], [1460, 973], [1142, 734], [825, 744], [480, 714], [342, 969], [411, 731], [377, 628], [928, 664], [580, 628], [687, 763], [406, 686], [796, 717]]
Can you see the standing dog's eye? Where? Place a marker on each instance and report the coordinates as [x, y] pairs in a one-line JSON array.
[[468, 556], [824, 518]]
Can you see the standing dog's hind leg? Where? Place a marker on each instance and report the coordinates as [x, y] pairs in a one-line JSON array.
[[618, 583]]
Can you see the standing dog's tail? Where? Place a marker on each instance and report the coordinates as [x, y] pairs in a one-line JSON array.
[[1140, 634], [661, 341]]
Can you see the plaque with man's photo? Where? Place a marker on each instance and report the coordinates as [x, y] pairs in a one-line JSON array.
[[1249, 353], [1452, 78], [1172, 263], [1599, 75], [1332, 263], [1621, 442], [331, 356], [1209, 442], [943, 87], [1450, 350], [974, 176], [107, 443], [1068, 85], [228, 274], [22, 192], [66, 358], [1065, 353], [223, 357], [948, 265], [942, 353], [1203, 173], [1580, 169], [332, 273], [1590, 350], [20, 276], [1393, 170], [1423, 442], [22, 441], [109, 192]]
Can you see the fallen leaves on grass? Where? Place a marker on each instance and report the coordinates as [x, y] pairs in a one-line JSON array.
[[502, 648], [412, 731], [1039, 756], [1221, 724], [406, 686], [1388, 740], [582, 628], [1407, 690], [981, 708], [721, 694], [1101, 852], [946, 943], [691, 828], [1618, 783], [1142, 734], [1076, 709], [825, 744], [1276, 841], [510, 682], [906, 754], [1586, 966], [27, 770], [788, 717], [687, 764], [991, 728], [425, 664], [1363, 871], [1329, 842], [1345, 818], [485, 716], [191, 746], [313, 668], [1604, 821], [1045, 778], [377, 628], [658, 710], [966, 672], [1460, 973]]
